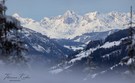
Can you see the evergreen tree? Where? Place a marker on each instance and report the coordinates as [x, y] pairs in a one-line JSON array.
[[130, 42], [12, 48]]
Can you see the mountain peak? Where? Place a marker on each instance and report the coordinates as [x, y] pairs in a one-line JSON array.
[[69, 13], [16, 15], [93, 13]]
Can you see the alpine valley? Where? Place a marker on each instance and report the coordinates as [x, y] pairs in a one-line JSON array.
[[91, 44]]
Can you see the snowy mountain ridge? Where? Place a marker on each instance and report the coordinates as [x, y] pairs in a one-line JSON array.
[[99, 57], [70, 24], [42, 49]]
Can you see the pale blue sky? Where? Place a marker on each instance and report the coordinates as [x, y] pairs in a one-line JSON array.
[[37, 9]]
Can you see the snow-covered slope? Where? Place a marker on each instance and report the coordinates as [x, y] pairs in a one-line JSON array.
[[99, 57], [80, 42], [70, 24], [43, 49], [92, 36]]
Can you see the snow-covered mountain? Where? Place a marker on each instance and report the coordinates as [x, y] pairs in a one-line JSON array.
[[80, 42], [43, 49], [87, 37], [98, 58], [70, 24], [99, 32]]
